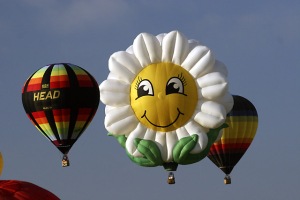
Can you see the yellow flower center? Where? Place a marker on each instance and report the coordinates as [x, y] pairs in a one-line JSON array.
[[163, 96]]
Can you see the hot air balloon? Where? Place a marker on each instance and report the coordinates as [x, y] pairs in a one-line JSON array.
[[22, 190], [61, 100], [236, 139], [166, 100]]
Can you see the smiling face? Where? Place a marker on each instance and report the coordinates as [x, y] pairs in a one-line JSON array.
[[163, 96]]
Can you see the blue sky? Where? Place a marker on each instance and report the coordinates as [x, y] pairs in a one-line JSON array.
[[257, 40]]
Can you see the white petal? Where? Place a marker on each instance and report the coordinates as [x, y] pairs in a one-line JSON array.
[[125, 65], [160, 139], [212, 115], [108, 108], [171, 140], [114, 93], [220, 67], [160, 37], [138, 132], [120, 121], [226, 101], [182, 133], [199, 62], [194, 56], [115, 77], [129, 49], [215, 91], [213, 85], [214, 108], [202, 143], [175, 47], [210, 79], [194, 128], [150, 134], [147, 49], [200, 96]]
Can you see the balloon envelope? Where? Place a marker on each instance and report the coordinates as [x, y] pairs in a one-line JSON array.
[[236, 139], [166, 100], [21, 190], [61, 100]]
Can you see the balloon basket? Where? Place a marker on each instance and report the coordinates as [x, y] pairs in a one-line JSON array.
[[171, 178], [65, 161], [227, 180]]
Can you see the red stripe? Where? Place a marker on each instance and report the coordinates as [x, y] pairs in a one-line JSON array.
[[239, 147], [83, 114], [40, 117], [61, 81], [84, 81], [61, 115], [33, 87], [59, 84], [84, 110], [38, 114]]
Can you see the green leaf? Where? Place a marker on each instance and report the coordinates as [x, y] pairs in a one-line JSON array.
[[150, 151], [183, 147]]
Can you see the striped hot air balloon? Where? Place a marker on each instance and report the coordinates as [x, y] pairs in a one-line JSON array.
[[61, 100], [236, 139]]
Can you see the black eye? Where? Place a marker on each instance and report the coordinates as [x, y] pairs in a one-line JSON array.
[[144, 89], [174, 85]]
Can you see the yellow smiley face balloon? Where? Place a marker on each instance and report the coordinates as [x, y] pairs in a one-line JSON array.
[[163, 96], [166, 99]]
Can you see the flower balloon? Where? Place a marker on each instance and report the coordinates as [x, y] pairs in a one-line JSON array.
[[166, 99]]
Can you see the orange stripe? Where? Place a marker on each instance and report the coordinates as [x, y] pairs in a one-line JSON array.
[[41, 120], [35, 81], [59, 78]]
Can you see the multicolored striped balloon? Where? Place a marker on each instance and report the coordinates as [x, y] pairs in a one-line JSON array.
[[61, 100], [236, 139]]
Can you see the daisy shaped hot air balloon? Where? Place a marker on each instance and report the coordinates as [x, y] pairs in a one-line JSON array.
[[166, 100]]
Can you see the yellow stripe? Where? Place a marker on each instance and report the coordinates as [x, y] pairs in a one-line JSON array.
[[48, 131], [78, 127], [78, 71], [62, 129], [240, 127], [58, 70], [40, 72], [242, 118]]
